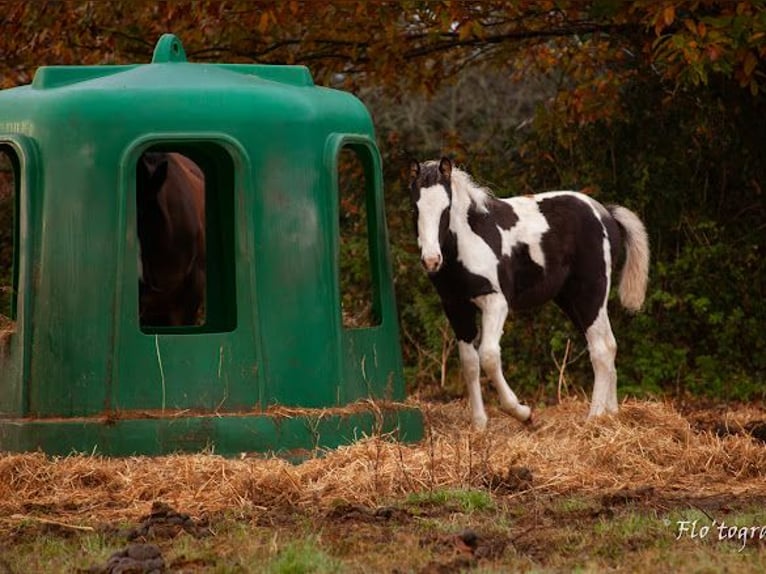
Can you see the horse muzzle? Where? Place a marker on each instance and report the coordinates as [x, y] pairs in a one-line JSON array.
[[432, 263]]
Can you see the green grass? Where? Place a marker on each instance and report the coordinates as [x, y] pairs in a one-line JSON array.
[[303, 557], [574, 504], [56, 553], [466, 501]]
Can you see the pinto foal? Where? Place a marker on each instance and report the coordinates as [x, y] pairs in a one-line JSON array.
[[489, 255]]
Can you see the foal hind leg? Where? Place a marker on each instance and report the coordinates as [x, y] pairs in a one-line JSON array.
[[603, 349], [585, 304], [494, 310]]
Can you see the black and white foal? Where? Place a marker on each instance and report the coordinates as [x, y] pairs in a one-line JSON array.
[[489, 255]]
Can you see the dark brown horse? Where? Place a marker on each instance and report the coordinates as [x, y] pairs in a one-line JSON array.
[[170, 205]]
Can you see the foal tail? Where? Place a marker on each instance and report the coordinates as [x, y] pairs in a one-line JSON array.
[[635, 271]]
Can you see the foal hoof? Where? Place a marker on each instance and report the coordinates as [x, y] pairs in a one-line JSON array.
[[523, 413], [530, 422], [479, 425], [601, 411]]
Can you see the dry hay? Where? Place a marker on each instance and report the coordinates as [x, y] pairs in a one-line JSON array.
[[648, 445]]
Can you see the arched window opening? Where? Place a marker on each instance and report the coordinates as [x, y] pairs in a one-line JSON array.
[[358, 280], [9, 244], [9, 214]]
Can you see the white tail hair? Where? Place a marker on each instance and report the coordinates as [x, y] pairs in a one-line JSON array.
[[635, 271]]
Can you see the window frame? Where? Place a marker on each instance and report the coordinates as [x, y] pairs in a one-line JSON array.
[[220, 158], [367, 153], [23, 157]]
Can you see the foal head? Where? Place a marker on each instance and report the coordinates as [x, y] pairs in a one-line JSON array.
[[431, 193]]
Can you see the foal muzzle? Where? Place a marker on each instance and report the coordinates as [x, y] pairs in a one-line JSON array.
[[432, 263]]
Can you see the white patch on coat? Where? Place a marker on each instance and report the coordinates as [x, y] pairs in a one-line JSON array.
[[532, 224], [528, 229], [472, 251]]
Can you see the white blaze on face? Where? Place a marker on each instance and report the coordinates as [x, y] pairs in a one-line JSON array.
[[431, 204]]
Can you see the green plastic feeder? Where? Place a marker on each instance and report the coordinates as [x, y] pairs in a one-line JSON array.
[[272, 368]]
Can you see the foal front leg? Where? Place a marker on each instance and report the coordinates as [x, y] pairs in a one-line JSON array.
[[462, 317], [494, 310], [469, 362]]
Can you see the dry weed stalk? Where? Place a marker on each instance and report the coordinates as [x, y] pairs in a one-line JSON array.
[[562, 368]]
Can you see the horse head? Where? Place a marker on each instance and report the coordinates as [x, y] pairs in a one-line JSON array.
[[171, 233], [431, 194], [151, 173]]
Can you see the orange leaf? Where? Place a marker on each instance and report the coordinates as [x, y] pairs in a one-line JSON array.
[[263, 23], [668, 15]]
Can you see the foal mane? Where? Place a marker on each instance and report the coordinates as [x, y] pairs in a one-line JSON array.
[[465, 188]]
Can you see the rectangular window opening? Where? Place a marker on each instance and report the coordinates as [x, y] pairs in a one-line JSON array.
[[184, 225], [9, 236], [358, 279]]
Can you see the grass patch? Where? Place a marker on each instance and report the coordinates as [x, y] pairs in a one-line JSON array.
[[467, 501], [53, 552], [575, 504], [630, 525], [303, 557]]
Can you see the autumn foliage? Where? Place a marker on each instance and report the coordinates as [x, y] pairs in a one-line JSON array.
[[657, 104]]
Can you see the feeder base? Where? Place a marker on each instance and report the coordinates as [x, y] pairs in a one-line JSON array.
[[285, 432]]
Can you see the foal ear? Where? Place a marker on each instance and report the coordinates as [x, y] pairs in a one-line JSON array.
[[414, 170], [445, 167]]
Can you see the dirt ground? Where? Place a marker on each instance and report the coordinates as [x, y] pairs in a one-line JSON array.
[[634, 492]]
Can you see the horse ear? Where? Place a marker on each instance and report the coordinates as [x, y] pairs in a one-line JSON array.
[[445, 167], [152, 172], [414, 170], [159, 176], [142, 174]]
